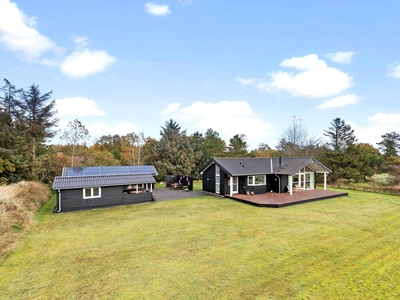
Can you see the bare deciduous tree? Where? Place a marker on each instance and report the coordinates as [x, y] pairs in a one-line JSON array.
[[75, 134]]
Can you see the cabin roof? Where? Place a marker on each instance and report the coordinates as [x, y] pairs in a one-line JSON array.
[[70, 182], [243, 166], [109, 170]]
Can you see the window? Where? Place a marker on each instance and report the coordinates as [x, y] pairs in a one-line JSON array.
[[94, 192], [256, 180], [217, 179], [305, 180]]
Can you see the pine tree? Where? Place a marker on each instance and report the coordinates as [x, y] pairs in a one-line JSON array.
[[35, 114], [340, 155], [340, 135], [174, 152], [238, 146], [390, 144]]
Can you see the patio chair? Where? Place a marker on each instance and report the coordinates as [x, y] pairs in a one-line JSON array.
[[296, 189]]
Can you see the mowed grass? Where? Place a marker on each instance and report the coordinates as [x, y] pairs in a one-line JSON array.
[[212, 248]]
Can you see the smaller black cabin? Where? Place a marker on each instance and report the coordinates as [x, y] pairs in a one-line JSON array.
[[94, 187]]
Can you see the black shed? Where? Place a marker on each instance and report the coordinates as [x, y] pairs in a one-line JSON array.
[[94, 187]]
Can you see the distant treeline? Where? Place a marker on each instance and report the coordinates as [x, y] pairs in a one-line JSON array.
[[27, 122]]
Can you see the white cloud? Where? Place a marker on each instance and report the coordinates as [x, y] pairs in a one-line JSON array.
[[340, 101], [385, 118], [82, 63], [237, 118], [173, 107], [81, 41], [78, 107], [381, 123], [341, 57], [97, 129], [156, 9], [249, 81], [314, 78], [308, 62], [185, 2], [18, 33], [394, 70]]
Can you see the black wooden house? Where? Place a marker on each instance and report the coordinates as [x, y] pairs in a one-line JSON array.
[[94, 187], [228, 176]]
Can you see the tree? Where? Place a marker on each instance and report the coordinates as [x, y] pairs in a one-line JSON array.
[[7, 104], [131, 149], [296, 141], [171, 128], [390, 144], [197, 143], [238, 146], [341, 155], [36, 113], [264, 150], [13, 143], [362, 160], [340, 135], [75, 134], [174, 152], [100, 158], [213, 145]]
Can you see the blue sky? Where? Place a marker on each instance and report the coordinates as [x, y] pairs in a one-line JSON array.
[[234, 66]]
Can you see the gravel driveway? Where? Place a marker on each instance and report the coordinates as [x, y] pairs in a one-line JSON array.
[[174, 194]]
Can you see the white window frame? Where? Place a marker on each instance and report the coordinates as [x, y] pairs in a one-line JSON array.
[[251, 180], [217, 179], [91, 193]]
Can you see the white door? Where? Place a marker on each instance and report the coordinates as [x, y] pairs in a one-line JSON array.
[[302, 181], [235, 186]]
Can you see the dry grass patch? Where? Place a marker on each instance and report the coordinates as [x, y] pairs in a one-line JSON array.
[[18, 204]]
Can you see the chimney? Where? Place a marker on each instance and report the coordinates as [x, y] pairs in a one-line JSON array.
[[280, 162]]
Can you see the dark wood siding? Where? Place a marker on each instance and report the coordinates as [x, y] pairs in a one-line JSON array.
[[209, 179], [72, 200], [284, 183], [136, 198], [257, 189], [224, 183], [242, 184]]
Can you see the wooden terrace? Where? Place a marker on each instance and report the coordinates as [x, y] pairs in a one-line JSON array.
[[277, 200]]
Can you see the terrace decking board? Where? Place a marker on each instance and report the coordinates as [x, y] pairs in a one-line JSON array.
[[277, 200]]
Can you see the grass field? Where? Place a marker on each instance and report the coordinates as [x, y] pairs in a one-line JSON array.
[[212, 248]]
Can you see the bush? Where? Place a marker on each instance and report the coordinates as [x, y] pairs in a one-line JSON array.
[[18, 204]]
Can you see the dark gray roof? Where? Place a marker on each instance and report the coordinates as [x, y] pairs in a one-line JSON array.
[[108, 170], [257, 166], [292, 165], [239, 166], [69, 182]]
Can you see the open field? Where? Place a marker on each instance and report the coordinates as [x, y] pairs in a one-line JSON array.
[[212, 248]]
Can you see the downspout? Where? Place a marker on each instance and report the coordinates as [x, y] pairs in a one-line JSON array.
[[279, 183], [272, 171], [59, 201]]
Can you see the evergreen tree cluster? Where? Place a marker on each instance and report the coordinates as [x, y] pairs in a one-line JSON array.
[[27, 121]]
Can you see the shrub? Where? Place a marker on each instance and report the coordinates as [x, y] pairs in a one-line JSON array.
[[18, 204]]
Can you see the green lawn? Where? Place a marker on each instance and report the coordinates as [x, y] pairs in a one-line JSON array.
[[212, 248]]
